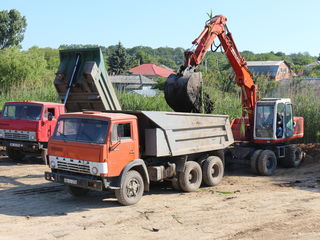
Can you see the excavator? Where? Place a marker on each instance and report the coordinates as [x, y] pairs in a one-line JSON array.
[[264, 133]]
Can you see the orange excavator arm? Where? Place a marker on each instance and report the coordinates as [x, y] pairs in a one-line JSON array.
[[217, 27]]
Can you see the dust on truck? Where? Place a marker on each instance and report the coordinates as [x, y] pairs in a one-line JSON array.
[[124, 151]]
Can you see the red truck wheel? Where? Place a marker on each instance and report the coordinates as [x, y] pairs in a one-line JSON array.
[[132, 189], [15, 155]]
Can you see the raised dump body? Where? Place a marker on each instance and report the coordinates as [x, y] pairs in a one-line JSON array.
[[82, 81], [175, 134]]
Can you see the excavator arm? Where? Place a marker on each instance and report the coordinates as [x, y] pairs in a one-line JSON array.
[[182, 82]]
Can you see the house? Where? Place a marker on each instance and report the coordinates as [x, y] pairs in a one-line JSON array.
[[151, 70], [131, 82], [275, 70], [312, 65]]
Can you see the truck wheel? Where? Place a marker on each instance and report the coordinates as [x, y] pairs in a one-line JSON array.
[[253, 160], [15, 155], [77, 191], [220, 154], [190, 179], [212, 171], [131, 190], [293, 157], [267, 163]]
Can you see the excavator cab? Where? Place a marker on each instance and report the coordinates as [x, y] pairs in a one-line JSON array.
[[274, 121]]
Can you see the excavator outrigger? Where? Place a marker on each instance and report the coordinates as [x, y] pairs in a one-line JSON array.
[[268, 123]]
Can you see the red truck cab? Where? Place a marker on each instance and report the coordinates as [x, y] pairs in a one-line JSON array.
[[26, 126]]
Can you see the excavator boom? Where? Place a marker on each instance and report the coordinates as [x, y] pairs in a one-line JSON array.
[[183, 91]]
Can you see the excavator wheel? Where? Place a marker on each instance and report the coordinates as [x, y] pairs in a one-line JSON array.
[[183, 93]]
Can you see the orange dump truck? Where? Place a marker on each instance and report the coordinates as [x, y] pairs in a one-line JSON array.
[[123, 151]]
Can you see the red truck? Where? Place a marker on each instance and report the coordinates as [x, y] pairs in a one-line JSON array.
[[25, 127], [82, 84]]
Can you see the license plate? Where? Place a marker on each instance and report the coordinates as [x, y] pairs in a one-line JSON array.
[[70, 181], [16, 145]]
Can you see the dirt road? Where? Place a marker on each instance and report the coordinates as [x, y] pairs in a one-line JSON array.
[[244, 206]]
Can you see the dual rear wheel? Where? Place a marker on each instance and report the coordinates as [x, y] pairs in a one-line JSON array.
[[210, 173]]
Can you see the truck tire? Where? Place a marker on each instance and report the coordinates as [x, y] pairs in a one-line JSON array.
[[131, 190], [253, 160], [175, 184], [293, 157], [220, 154], [190, 179], [77, 191], [267, 163], [212, 171], [15, 155]]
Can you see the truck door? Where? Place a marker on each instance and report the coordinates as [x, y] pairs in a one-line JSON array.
[[49, 121], [121, 148]]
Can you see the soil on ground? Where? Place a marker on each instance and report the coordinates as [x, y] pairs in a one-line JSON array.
[[243, 206]]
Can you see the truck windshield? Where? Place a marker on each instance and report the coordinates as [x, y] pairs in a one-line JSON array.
[[81, 130], [22, 111]]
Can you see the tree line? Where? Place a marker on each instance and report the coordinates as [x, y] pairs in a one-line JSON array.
[[37, 66]]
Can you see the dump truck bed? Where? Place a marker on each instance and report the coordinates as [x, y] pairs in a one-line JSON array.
[[83, 70], [175, 134]]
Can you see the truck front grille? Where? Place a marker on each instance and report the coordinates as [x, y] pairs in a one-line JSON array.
[[73, 167], [16, 136]]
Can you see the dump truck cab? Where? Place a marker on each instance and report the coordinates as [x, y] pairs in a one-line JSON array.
[[26, 126], [100, 144]]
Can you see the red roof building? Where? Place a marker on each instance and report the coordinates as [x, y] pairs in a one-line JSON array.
[[151, 70]]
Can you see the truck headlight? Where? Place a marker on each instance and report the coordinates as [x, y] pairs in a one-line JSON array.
[[97, 168], [1, 133], [32, 136], [53, 164], [94, 170]]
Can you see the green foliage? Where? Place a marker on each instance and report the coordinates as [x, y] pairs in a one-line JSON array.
[[12, 28], [22, 67], [118, 60], [266, 87], [160, 83], [131, 101]]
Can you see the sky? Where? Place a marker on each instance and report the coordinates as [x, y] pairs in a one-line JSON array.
[[289, 26]]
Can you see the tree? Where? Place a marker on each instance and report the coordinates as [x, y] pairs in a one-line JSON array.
[[318, 57], [12, 28], [119, 61]]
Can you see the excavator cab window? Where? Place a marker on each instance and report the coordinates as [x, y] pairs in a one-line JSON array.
[[280, 120], [264, 121], [289, 121]]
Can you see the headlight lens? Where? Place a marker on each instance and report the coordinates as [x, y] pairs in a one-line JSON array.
[[32, 136], [94, 170], [53, 164]]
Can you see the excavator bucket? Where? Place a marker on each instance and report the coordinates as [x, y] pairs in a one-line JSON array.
[[183, 93]]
